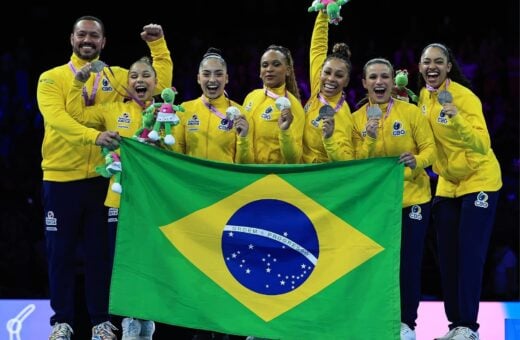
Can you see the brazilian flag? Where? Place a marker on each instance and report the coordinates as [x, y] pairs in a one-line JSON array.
[[274, 251]]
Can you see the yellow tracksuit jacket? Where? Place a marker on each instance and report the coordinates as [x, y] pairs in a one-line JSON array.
[[404, 129], [124, 118], [68, 149], [271, 144], [201, 133], [316, 148], [465, 161]]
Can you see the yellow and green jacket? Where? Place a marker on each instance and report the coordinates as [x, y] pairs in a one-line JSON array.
[[201, 133], [271, 144], [404, 130], [316, 148], [68, 149], [465, 161], [123, 117]]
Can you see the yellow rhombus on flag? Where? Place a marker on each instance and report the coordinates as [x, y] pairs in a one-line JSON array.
[[283, 252]]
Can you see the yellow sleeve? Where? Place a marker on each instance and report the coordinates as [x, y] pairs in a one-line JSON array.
[[357, 138], [368, 147], [162, 63], [318, 50], [425, 141], [91, 116], [471, 125], [339, 146], [52, 107], [363, 145], [291, 140], [244, 147], [179, 131]]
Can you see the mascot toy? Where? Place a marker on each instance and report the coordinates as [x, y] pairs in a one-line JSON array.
[[331, 7], [166, 116], [111, 168], [400, 90], [148, 122]]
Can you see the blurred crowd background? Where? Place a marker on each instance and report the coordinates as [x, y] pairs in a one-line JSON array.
[[485, 42]]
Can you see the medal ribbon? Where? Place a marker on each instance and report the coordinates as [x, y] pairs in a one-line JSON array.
[[89, 100], [338, 106]]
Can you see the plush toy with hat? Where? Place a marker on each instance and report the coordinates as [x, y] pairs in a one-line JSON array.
[[148, 121], [400, 91], [111, 168], [166, 117], [331, 7]]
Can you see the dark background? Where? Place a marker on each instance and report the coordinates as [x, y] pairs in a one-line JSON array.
[[35, 38]]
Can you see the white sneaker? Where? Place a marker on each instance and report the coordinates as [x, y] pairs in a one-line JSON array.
[[104, 331], [447, 336], [137, 329], [61, 331], [464, 333], [131, 329], [406, 332], [147, 329]]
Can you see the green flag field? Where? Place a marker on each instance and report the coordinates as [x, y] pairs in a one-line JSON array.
[[273, 251]]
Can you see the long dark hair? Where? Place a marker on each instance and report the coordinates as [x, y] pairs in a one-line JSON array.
[[455, 73], [290, 80]]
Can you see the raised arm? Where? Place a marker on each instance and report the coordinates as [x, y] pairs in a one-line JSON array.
[[318, 50], [161, 60]]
